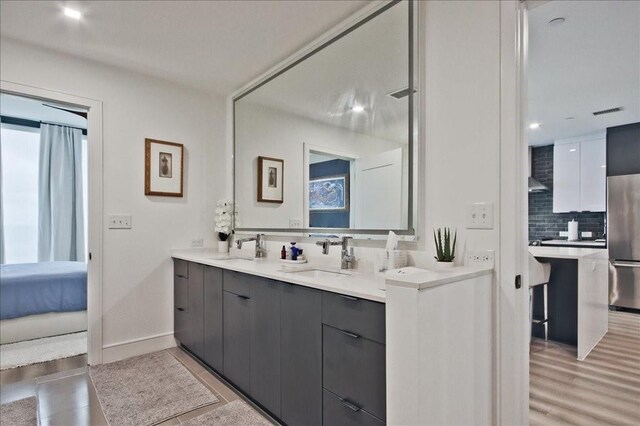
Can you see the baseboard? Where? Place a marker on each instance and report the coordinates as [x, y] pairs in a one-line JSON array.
[[117, 351]]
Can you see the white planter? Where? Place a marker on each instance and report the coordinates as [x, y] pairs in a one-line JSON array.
[[444, 265], [223, 246]]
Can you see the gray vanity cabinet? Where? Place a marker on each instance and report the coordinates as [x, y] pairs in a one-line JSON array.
[[301, 355], [213, 341], [265, 337], [189, 306], [236, 332]]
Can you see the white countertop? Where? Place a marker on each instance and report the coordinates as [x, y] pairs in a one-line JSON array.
[[587, 243], [432, 278], [566, 252], [357, 284], [365, 285]]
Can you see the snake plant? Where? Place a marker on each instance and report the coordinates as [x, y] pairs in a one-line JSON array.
[[445, 248]]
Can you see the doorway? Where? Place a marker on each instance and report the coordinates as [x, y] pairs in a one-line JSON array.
[[93, 205]]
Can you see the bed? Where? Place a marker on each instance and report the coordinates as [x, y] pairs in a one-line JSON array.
[[42, 299]]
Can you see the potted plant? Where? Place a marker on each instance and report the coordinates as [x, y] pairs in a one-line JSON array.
[[224, 218], [445, 248]]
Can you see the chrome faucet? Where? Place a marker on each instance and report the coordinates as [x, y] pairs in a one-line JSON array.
[[346, 258], [261, 245]]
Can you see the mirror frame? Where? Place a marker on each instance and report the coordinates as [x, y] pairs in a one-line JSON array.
[[413, 122]]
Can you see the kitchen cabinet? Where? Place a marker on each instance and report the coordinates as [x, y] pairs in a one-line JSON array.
[[308, 357], [189, 306], [301, 354], [237, 329], [213, 341], [579, 175], [264, 307]]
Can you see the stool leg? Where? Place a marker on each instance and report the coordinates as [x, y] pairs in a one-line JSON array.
[[530, 318], [546, 313]]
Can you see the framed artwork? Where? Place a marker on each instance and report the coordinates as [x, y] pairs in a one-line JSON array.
[[270, 180], [329, 193], [163, 167]]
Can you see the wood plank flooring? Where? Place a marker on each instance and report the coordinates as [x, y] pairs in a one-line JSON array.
[[604, 389]]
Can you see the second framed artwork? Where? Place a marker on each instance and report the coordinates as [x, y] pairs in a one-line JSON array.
[[270, 180]]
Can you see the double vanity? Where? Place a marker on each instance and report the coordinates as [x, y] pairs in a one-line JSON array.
[[310, 345]]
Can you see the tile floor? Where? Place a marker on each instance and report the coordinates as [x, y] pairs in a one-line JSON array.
[[67, 397]]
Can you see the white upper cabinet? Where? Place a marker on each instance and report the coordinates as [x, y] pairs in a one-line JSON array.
[[566, 177], [579, 175], [593, 175]]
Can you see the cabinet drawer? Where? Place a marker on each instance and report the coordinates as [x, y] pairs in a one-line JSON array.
[[353, 368], [337, 411], [181, 293], [181, 268], [359, 316], [236, 282]]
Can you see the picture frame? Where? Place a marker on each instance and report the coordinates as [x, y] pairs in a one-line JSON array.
[[163, 168], [329, 194], [270, 180]]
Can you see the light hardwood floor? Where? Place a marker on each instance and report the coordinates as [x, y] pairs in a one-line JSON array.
[[604, 389]]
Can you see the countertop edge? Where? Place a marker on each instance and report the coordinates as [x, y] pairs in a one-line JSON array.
[[421, 282]]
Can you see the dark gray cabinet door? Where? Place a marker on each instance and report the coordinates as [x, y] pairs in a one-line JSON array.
[[195, 310], [237, 339], [265, 343], [213, 317], [301, 355], [180, 306]]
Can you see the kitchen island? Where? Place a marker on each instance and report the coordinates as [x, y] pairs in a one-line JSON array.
[[577, 298]]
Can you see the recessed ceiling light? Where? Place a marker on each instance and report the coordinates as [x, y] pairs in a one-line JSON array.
[[534, 125], [72, 13], [604, 166], [572, 150], [556, 21], [357, 108]]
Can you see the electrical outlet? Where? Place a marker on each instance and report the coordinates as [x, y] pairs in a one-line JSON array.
[[295, 223], [120, 221], [198, 242], [586, 234], [480, 216], [563, 233], [480, 258]]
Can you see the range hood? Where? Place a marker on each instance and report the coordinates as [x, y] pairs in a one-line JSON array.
[[534, 185]]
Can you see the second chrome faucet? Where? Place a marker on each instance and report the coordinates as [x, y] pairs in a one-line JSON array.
[[347, 257]]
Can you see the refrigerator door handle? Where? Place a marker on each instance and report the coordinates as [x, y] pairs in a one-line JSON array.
[[623, 264]]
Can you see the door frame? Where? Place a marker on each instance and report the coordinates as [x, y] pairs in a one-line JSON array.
[[511, 360], [94, 155]]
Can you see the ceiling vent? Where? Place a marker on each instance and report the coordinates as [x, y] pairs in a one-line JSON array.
[[402, 93], [607, 111]]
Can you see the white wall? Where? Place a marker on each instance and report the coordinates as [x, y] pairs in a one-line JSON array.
[[273, 133], [137, 270]]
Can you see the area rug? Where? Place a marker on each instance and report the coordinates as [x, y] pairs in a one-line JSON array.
[[23, 412], [147, 389], [232, 414], [17, 354]]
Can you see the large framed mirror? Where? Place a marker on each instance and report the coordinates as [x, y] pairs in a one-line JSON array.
[[327, 144]]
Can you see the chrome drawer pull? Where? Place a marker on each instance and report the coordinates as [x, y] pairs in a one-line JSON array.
[[243, 297], [355, 299], [623, 264], [350, 334], [181, 276], [351, 406], [180, 309]]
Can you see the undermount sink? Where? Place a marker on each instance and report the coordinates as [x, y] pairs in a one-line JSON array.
[[319, 273], [232, 258]]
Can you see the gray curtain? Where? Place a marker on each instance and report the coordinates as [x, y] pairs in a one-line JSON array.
[[60, 198]]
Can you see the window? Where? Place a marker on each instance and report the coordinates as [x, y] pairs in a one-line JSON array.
[[20, 166]]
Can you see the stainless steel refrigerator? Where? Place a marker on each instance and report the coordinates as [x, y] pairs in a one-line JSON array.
[[623, 232]]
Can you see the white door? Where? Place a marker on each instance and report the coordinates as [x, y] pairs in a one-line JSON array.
[[593, 175], [566, 177], [378, 180]]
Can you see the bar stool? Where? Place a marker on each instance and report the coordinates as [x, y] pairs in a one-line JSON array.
[[539, 274]]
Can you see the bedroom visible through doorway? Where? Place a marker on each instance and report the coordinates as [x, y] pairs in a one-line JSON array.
[[44, 238]]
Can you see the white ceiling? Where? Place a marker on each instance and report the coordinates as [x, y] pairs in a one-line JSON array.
[[591, 62], [32, 109], [213, 45]]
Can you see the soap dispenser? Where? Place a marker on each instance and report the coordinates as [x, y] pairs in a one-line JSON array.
[[294, 251]]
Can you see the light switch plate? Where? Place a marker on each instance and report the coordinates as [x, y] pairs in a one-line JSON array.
[[480, 216], [119, 221], [198, 242]]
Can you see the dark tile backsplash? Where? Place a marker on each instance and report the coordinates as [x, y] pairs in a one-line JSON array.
[[543, 223]]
